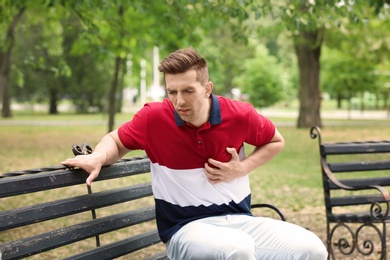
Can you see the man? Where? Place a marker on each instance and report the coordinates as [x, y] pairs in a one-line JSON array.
[[195, 141]]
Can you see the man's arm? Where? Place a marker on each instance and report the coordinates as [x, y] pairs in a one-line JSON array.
[[236, 168], [108, 151]]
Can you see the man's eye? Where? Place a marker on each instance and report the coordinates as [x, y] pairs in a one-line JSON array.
[[171, 92]]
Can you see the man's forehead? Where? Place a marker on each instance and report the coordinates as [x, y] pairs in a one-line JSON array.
[[190, 74], [182, 80]]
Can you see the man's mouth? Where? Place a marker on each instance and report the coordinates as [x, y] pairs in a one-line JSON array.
[[183, 111]]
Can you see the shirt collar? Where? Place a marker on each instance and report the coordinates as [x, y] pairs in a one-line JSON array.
[[215, 113]]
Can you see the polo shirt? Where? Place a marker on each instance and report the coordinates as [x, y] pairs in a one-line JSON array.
[[178, 152]]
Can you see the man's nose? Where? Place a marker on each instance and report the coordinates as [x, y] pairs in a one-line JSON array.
[[180, 99]]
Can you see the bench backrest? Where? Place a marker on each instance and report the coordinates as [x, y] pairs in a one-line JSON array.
[[354, 173], [76, 213]]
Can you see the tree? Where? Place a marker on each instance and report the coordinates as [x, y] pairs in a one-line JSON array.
[[347, 76], [307, 22], [359, 54], [227, 62], [40, 57], [10, 13], [113, 27], [87, 85], [112, 32], [261, 79], [42, 30]]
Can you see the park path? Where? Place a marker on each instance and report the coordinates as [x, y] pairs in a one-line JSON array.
[[336, 117]]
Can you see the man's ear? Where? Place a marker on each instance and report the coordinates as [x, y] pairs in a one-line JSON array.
[[209, 88]]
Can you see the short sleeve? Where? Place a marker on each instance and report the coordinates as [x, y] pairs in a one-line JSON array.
[[133, 133], [261, 130]]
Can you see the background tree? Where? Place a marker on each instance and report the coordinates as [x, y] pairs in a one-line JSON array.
[[225, 56], [261, 79], [88, 63], [307, 22], [41, 56], [10, 14], [114, 27], [358, 53], [87, 85], [347, 76]]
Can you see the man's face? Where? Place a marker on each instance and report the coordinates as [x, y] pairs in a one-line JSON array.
[[189, 97]]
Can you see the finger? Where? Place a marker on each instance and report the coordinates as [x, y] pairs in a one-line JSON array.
[[211, 173], [67, 163], [214, 180], [210, 177], [68, 167], [207, 168], [233, 152], [71, 162], [91, 178], [215, 163]]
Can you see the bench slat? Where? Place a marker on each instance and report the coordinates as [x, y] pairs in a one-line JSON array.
[[24, 184], [64, 236], [121, 247], [359, 166], [355, 148], [381, 181], [56, 209], [363, 217], [355, 200]]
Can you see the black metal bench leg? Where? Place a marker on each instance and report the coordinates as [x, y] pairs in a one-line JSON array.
[[94, 217]]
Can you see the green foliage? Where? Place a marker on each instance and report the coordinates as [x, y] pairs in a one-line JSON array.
[[345, 76], [261, 79], [90, 79], [366, 39], [66, 49], [224, 63]]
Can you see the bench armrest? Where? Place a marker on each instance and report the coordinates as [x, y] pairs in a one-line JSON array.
[[270, 206], [378, 211]]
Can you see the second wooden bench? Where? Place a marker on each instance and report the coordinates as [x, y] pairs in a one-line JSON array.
[[356, 182]]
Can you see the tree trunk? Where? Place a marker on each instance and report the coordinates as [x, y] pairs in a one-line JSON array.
[[114, 85], [5, 64], [308, 50], [339, 100], [123, 72], [53, 102], [112, 96]]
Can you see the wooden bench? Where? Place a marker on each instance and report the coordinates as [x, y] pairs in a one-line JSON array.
[[356, 180], [53, 218]]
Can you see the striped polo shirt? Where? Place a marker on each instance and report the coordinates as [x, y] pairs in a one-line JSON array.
[[178, 151]]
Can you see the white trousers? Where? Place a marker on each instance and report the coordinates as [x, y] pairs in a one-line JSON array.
[[244, 237]]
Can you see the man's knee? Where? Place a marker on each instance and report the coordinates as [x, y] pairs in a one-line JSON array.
[[318, 251], [242, 251], [315, 250]]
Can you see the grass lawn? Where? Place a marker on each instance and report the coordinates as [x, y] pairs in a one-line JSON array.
[[291, 181]]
